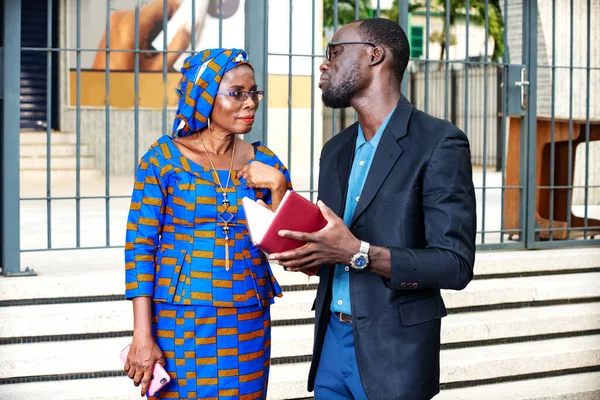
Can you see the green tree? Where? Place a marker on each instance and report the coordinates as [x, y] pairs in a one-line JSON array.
[[346, 12], [476, 17]]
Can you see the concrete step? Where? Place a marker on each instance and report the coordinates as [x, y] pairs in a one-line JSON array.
[[460, 365], [116, 316], [39, 137], [100, 272], [567, 387], [121, 388], [584, 386], [297, 304], [56, 162], [59, 174], [56, 150]]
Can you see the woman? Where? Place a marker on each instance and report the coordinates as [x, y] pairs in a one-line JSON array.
[[201, 291]]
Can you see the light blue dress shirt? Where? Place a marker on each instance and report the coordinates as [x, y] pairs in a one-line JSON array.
[[363, 157]]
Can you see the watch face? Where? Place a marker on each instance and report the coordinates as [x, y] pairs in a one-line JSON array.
[[360, 262]]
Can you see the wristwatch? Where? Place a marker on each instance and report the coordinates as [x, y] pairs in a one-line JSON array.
[[360, 260]]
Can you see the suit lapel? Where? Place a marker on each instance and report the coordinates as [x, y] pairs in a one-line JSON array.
[[387, 154], [344, 165]]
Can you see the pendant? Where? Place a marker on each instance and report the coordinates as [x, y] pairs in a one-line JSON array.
[[225, 201], [226, 217], [226, 232]]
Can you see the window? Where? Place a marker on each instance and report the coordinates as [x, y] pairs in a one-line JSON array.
[[415, 38]]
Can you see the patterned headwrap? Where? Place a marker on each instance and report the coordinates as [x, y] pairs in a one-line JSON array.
[[202, 74]]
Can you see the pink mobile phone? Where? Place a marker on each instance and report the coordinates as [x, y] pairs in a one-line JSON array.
[[159, 376]]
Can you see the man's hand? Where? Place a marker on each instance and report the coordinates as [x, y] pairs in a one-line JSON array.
[[333, 244]]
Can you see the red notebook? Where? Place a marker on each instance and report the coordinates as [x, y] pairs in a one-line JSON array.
[[295, 213]]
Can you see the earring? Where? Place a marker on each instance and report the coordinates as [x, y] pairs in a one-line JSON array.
[[209, 124]]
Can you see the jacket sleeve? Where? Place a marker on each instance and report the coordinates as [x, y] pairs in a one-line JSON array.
[[449, 220], [144, 226]]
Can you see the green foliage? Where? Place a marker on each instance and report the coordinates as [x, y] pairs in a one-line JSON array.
[[346, 12], [476, 17]]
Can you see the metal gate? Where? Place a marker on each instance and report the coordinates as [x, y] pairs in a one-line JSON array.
[[529, 109]]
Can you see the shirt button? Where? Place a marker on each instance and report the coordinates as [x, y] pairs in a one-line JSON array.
[[362, 162], [357, 197], [347, 268], [340, 302]]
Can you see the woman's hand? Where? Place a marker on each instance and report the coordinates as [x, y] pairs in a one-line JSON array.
[[262, 176], [143, 355]]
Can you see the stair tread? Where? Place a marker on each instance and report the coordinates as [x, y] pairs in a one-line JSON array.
[[475, 363], [502, 290], [120, 388], [116, 316], [558, 387]]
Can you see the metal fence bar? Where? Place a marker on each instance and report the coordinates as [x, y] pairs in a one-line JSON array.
[[193, 38], [566, 243], [107, 127], [136, 89], [447, 65], [78, 129], [467, 22], [256, 43], [11, 88], [335, 28], [220, 23], [164, 69], [553, 122], [378, 12], [49, 127], [312, 102], [72, 198], [530, 37], [289, 149], [485, 118], [570, 155], [356, 11], [403, 22], [503, 143], [587, 120], [427, 25]]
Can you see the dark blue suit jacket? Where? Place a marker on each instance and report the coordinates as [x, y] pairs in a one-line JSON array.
[[418, 200]]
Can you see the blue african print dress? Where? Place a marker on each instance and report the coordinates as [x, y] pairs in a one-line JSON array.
[[212, 325]]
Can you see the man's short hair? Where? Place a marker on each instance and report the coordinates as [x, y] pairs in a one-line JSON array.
[[385, 32]]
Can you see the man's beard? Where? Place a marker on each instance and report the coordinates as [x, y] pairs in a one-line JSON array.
[[341, 95]]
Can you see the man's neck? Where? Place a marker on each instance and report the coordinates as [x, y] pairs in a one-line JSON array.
[[373, 110]]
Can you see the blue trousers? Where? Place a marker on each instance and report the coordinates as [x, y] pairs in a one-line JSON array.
[[337, 375]]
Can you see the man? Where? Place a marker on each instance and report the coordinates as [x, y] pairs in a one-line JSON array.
[[402, 182]]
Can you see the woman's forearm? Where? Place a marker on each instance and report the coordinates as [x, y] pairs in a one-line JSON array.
[[142, 319], [277, 194]]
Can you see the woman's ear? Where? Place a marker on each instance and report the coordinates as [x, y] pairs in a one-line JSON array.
[[377, 55]]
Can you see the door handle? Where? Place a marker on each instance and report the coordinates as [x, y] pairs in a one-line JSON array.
[[523, 83]]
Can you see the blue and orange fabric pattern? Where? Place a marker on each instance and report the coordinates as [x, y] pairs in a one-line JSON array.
[[215, 353], [212, 325], [174, 251]]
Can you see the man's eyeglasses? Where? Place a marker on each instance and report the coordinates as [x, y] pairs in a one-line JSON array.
[[242, 95], [331, 44]]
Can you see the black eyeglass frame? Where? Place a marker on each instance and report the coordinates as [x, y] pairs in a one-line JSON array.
[[255, 95], [330, 44]]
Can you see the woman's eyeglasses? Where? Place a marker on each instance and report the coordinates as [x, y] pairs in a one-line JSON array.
[[242, 95], [331, 44]]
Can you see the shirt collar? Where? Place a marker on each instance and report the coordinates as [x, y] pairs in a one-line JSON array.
[[360, 139]]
